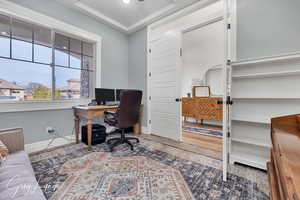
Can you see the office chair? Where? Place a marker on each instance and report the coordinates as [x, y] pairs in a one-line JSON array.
[[126, 116]]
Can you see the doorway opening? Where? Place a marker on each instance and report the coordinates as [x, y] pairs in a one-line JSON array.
[[202, 86]]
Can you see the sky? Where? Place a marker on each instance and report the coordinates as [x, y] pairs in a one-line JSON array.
[[24, 72]]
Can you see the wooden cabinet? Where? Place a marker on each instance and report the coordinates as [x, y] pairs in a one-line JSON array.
[[204, 108], [284, 168]]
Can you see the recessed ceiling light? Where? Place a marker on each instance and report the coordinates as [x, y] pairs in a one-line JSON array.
[[126, 1]]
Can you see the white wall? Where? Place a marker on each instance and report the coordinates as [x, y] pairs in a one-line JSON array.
[[192, 19], [267, 27], [203, 48]]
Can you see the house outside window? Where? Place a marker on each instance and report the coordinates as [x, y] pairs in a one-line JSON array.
[[38, 64]]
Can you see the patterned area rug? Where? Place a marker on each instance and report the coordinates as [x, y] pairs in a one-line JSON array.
[[99, 175], [202, 131], [152, 172]]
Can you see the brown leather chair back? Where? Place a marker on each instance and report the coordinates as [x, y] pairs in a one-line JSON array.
[[129, 108]]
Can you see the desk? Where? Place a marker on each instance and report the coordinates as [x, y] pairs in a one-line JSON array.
[[91, 112]]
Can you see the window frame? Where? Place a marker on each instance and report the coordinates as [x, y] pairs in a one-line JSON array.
[[27, 15]]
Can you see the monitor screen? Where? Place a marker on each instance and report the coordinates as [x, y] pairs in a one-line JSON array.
[[104, 95], [118, 93]]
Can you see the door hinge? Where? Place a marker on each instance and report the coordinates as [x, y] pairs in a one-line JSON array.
[[229, 100], [150, 98], [149, 74], [150, 50], [228, 134], [150, 121], [180, 52], [228, 26], [228, 62]]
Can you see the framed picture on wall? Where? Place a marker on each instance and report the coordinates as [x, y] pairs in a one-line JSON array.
[[201, 91]]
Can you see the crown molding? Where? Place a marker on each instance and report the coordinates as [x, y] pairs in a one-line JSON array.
[[90, 11], [29, 15], [129, 29], [150, 18], [98, 15]]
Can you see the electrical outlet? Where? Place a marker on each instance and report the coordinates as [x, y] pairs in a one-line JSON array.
[[50, 130]]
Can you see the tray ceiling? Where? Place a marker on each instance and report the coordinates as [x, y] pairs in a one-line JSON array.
[[128, 17]]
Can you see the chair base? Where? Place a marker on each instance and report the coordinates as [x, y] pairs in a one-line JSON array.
[[122, 140]]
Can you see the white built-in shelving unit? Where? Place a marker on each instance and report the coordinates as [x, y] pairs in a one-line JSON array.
[[261, 89]]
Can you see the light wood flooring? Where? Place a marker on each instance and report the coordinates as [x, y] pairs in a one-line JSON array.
[[203, 141], [201, 144], [184, 146]]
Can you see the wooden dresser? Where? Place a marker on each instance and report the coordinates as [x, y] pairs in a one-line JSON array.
[[284, 168], [204, 108]]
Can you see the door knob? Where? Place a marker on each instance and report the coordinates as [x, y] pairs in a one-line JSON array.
[[178, 100]]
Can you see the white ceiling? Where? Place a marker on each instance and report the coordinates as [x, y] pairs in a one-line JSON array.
[[128, 17]]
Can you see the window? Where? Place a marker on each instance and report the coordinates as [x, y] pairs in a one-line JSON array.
[[40, 64]]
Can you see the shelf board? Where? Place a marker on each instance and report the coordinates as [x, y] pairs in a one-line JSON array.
[[274, 58], [249, 141], [249, 159], [251, 119], [267, 75]]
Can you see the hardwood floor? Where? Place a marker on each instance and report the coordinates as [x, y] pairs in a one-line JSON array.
[[201, 144], [203, 141], [184, 146]]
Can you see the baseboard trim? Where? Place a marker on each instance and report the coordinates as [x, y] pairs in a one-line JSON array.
[[42, 145], [145, 130]]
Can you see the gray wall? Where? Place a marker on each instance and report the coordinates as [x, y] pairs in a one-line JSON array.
[[267, 27], [35, 123], [114, 70], [264, 28], [137, 72]]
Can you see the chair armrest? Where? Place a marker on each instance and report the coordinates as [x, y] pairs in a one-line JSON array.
[[13, 139]]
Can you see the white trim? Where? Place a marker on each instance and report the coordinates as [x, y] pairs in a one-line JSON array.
[[274, 58], [148, 81], [90, 11], [34, 17], [185, 11], [98, 15], [233, 32], [248, 159], [267, 75], [252, 142], [28, 106], [215, 19], [145, 130], [156, 15], [42, 145]]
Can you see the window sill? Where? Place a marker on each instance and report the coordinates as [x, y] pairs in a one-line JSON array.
[[29, 106]]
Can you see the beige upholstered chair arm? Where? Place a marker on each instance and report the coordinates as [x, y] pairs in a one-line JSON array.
[[13, 139]]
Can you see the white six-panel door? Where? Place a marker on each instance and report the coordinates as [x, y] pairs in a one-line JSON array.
[[165, 65]]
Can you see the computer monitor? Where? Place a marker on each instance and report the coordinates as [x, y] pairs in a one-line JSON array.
[[104, 95], [118, 93]]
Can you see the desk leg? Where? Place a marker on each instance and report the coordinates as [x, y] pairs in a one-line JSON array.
[[89, 126], [137, 129], [77, 128]]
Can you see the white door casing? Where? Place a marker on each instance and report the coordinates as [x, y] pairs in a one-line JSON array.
[[228, 55], [165, 85]]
